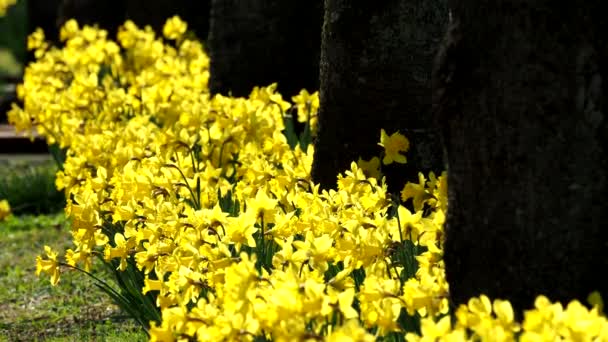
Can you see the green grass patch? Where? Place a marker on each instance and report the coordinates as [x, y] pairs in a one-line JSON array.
[[15, 224], [32, 310], [30, 188]]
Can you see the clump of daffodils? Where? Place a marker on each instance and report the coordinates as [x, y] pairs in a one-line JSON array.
[[219, 213], [483, 320]]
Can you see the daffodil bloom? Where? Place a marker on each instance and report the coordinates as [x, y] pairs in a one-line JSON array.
[[371, 167], [393, 146], [48, 265], [174, 28], [262, 206], [5, 209], [120, 250], [351, 331], [35, 41], [431, 330], [240, 230], [417, 192], [307, 105]]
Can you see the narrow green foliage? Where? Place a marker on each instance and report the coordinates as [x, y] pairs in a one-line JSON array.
[[228, 204], [305, 137], [129, 297], [30, 189], [59, 155], [293, 139], [290, 131]]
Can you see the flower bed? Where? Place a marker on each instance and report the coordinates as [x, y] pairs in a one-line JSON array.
[[206, 209]]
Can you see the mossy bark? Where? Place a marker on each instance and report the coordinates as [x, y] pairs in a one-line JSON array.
[[259, 42], [521, 95], [375, 72]]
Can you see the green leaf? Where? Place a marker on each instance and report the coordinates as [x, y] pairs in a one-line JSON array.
[[289, 131]]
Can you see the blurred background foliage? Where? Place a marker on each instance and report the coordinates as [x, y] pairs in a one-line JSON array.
[[13, 32]]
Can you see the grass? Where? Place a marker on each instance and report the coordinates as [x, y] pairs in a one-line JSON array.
[[30, 187], [32, 310]]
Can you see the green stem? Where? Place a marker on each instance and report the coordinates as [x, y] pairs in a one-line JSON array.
[[194, 198]]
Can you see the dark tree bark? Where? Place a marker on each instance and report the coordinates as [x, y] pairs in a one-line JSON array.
[[43, 14], [376, 64], [520, 98], [107, 14], [110, 14], [155, 13], [258, 42]]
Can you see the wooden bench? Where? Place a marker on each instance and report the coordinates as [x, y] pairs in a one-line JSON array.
[[13, 143]]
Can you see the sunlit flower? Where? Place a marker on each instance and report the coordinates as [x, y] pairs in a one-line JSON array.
[[174, 28], [48, 265], [393, 146], [5, 209]]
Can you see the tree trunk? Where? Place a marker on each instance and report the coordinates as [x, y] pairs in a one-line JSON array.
[[110, 14], [376, 64], [43, 14], [107, 14], [520, 99], [155, 13], [258, 42]]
